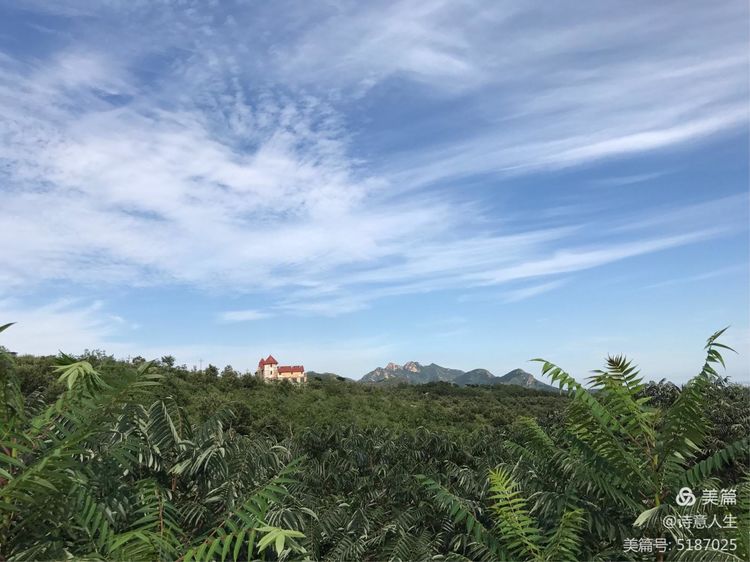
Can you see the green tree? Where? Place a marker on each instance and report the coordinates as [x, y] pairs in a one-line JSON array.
[[168, 361]]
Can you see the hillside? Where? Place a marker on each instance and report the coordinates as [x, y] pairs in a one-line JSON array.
[[522, 378], [324, 376], [416, 373], [475, 377]]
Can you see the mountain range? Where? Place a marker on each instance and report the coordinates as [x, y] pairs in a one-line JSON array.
[[416, 373]]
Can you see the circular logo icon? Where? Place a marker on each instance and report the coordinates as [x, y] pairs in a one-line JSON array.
[[685, 497]]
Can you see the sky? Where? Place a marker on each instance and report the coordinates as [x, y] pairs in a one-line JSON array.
[[345, 184]]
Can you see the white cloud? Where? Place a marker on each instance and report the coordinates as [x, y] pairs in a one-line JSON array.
[[242, 315], [570, 260], [628, 179], [63, 325], [712, 274], [524, 293], [362, 46], [568, 88]]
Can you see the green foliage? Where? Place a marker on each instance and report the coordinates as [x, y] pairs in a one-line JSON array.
[[280, 538], [611, 470], [111, 460], [98, 475], [284, 410]]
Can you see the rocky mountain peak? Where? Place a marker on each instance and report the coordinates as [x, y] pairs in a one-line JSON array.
[[413, 372]]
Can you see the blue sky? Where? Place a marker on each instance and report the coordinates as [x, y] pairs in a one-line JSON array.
[[345, 184]]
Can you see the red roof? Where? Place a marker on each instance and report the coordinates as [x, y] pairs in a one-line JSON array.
[[282, 369]]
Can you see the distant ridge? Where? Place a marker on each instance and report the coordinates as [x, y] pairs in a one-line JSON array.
[[477, 376], [325, 376], [522, 378], [416, 373]]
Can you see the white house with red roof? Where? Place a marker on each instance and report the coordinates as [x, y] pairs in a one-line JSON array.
[[270, 370]]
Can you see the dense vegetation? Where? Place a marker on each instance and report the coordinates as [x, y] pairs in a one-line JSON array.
[[283, 409], [148, 461]]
